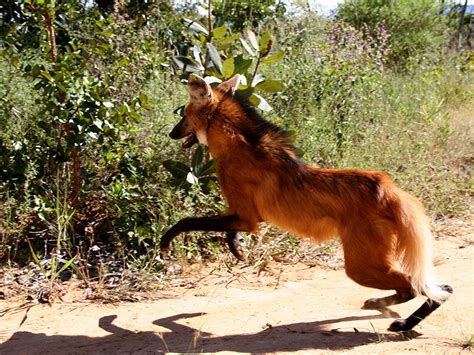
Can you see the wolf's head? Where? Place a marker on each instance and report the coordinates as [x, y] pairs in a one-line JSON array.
[[203, 100]]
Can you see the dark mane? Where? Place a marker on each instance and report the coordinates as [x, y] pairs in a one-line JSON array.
[[255, 127], [266, 137]]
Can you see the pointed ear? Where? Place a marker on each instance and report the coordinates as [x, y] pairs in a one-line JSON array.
[[200, 93], [229, 85]]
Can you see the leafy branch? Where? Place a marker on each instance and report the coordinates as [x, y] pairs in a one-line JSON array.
[[227, 54]]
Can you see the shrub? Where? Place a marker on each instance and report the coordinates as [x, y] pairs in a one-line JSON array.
[[415, 28]]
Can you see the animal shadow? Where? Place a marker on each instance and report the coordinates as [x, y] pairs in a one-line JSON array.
[[185, 339]]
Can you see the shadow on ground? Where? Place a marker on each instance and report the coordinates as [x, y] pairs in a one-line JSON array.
[[183, 339]]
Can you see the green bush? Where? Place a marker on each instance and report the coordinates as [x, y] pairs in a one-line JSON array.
[[326, 67], [415, 28]]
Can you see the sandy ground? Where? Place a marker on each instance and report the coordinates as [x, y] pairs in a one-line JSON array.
[[291, 308]]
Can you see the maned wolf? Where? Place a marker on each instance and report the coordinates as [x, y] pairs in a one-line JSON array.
[[384, 231]]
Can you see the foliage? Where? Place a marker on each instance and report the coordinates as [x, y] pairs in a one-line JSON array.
[[243, 13], [200, 172], [415, 28], [218, 54], [92, 120], [333, 66], [63, 217], [80, 111]]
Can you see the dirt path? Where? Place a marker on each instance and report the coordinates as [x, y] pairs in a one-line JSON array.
[[294, 308]]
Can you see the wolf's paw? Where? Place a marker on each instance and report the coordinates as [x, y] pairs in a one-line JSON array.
[[399, 325], [373, 303], [236, 249]]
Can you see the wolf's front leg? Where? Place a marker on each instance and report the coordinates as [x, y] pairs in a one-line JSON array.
[[229, 223]]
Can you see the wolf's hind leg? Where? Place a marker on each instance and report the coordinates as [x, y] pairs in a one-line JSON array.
[[403, 325], [375, 268]]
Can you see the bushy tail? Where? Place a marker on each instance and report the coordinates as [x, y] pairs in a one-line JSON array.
[[415, 247]]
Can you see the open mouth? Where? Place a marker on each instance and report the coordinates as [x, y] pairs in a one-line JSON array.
[[190, 140]]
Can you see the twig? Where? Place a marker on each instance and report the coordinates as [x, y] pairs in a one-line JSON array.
[[209, 30], [50, 29]]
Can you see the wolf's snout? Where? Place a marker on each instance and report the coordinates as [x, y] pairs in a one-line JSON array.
[[175, 133], [178, 130]]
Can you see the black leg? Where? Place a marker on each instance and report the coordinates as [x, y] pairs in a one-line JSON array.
[[230, 224], [403, 325]]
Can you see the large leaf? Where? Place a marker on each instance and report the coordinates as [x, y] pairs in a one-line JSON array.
[[226, 40], [191, 178], [176, 168], [194, 26], [270, 86], [258, 79], [265, 44], [187, 64], [228, 67], [245, 93], [253, 39], [215, 57], [243, 81], [212, 79], [260, 102], [219, 32], [247, 47], [208, 168], [241, 65], [197, 54], [196, 162], [274, 58], [208, 183]]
